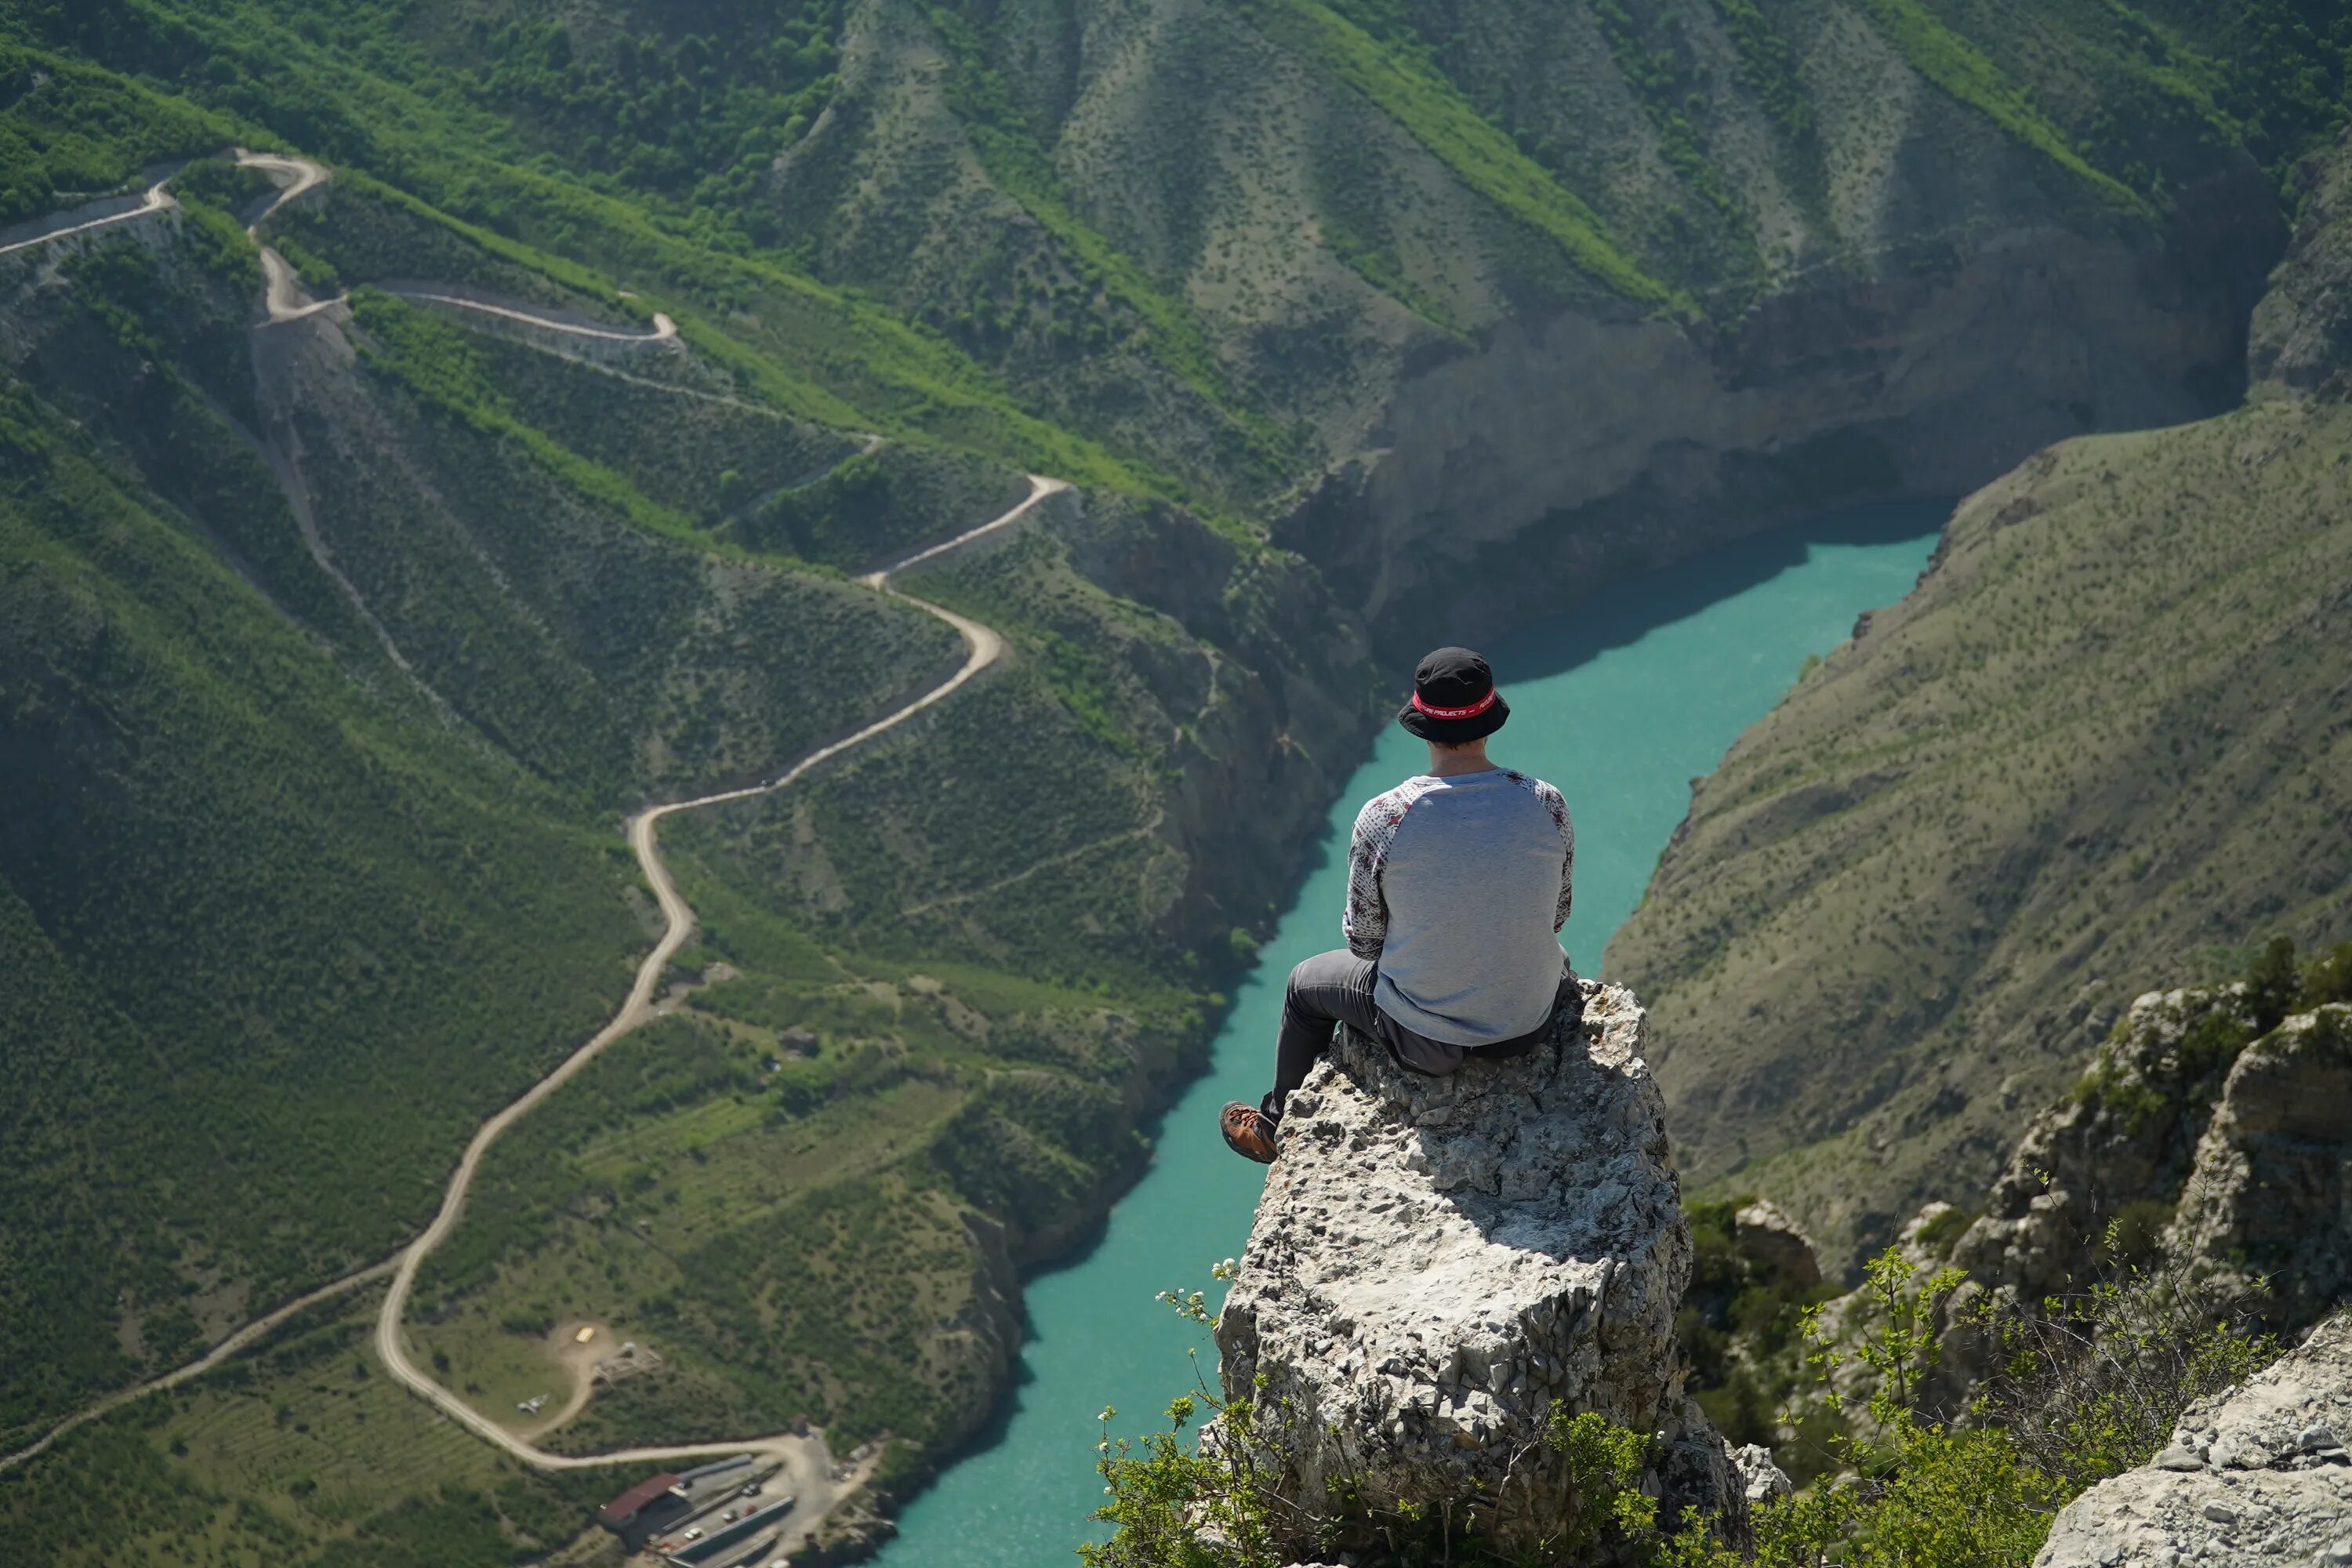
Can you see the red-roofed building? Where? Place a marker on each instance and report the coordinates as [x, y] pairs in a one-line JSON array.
[[639, 1508]]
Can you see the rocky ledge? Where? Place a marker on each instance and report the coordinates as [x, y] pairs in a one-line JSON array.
[[1438, 1263], [2257, 1474]]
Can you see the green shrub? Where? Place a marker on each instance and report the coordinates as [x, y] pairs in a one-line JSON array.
[[1940, 1235], [2273, 985], [2091, 1384], [2328, 978], [2082, 1389]]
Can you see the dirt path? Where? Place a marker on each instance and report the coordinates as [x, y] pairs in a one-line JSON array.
[[804, 1460], [300, 175], [252, 1332], [282, 294], [71, 223], [287, 301], [983, 648], [665, 329]]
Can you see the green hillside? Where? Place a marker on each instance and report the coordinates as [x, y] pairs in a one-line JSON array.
[[2103, 744], [809, 177], [335, 649]]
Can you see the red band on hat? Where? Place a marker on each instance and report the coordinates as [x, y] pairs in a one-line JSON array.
[[1470, 712]]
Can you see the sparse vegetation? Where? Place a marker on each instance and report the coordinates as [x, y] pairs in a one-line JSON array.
[[2088, 1387], [1922, 879], [1953, 63]]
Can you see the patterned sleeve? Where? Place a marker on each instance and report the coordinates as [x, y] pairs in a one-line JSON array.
[[1557, 804], [1366, 922]]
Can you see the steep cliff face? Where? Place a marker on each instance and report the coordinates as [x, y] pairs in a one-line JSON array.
[[1576, 447], [2301, 336], [1438, 1263], [2267, 1198]]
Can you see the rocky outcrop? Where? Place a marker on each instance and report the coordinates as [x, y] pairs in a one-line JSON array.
[[1440, 1263], [2259, 1473], [1759, 1478], [2301, 336], [1770, 1240], [2120, 1146], [2269, 1197], [2191, 1145], [2193, 1140]]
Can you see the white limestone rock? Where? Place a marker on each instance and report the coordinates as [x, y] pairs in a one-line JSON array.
[[2259, 1474], [1760, 1478], [1436, 1261]]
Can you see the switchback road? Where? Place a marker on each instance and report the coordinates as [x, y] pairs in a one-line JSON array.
[[806, 1459]]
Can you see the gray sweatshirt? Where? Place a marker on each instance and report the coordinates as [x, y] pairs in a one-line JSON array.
[[1458, 887]]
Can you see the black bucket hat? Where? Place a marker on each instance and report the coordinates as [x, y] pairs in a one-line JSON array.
[[1454, 699]]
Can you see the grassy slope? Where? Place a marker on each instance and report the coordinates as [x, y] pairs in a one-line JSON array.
[[568, 592], [302, 1452], [195, 798], [1419, 98], [2102, 746], [603, 636], [797, 1236]]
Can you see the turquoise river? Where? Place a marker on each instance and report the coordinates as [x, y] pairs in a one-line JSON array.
[[1621, 702]]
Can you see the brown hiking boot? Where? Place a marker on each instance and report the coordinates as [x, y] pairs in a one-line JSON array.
[[1247, 1133]]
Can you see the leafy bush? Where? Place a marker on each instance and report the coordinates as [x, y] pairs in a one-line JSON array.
[[2093, 1384], [2328, 978]]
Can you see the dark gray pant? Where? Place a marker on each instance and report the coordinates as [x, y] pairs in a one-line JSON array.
[[1335, 987]]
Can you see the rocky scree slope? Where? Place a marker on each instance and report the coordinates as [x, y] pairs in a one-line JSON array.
[[2259, 1474], [1436, 1261], [2102, 745]]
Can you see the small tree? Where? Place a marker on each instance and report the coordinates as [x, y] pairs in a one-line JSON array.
[[2273, 985]]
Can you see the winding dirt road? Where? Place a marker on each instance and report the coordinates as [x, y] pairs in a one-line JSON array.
[[66, 225], [805, 1456], [285, 300], [806, 1459], [251, 1333], [665, 329]]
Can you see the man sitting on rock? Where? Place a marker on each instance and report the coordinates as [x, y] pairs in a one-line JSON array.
[[1457, 886]]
